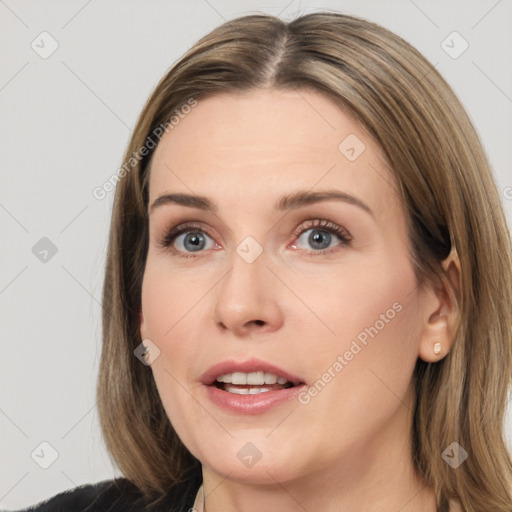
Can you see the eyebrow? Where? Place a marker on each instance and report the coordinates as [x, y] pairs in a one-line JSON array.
[[285, 203]]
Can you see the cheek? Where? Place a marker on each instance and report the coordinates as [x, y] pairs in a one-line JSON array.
[[358, 298], [367, 365], [180, 408], [167, 300], [365, 338], [169, 322]]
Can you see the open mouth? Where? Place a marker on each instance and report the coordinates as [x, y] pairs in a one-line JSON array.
[[252, 383], [250, 387]]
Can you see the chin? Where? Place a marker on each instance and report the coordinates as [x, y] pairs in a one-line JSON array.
[[262, 472], [248, 456]]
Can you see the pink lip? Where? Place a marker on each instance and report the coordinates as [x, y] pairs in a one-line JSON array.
[[249, 404]]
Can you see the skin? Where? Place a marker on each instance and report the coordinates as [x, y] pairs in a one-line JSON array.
[[348, 448]]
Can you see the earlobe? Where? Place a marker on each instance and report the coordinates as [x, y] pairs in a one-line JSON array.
[[442, 314]]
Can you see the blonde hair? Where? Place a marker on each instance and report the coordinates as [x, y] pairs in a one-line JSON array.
[[452, 206]]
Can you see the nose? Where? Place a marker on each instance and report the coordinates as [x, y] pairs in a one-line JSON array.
[[247, 299]]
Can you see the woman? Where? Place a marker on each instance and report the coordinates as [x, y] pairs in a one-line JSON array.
[[308, 285]]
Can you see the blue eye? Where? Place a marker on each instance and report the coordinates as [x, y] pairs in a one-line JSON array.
[[318, 238], [192, 241], [322, 234], [188, 240]]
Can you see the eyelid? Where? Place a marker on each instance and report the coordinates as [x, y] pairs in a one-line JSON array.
[[322, 223], [167, 237]]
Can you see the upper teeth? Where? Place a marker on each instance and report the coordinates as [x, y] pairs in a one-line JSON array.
[[252, 378]]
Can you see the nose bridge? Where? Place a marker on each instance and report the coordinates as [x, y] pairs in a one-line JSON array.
[[240, 290], [245, 296]]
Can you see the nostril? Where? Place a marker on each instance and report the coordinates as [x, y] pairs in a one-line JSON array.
[[259, 322]]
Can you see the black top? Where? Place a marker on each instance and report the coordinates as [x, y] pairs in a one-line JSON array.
[[120, 495]]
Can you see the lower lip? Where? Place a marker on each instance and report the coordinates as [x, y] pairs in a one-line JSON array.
[[251, 404]]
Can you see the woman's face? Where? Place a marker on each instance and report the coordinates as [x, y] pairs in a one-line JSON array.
[[293, 265]]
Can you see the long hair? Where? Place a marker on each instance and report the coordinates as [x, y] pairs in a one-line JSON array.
[[451, 203]]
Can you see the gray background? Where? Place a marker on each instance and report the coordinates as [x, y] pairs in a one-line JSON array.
[[65, 121]]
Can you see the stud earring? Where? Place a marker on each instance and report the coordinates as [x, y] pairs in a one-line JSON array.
[[437, 348]]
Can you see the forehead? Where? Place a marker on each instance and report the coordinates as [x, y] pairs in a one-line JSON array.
[[251, 146]]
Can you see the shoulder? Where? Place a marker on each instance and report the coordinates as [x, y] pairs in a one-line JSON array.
[[97, 497], [117, 495]]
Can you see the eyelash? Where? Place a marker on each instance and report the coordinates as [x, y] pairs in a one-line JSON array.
[[165, 241]]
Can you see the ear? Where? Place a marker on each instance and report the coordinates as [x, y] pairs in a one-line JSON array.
[[442, 313]]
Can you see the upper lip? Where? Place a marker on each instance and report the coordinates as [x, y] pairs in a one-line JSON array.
[[250, 365]]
